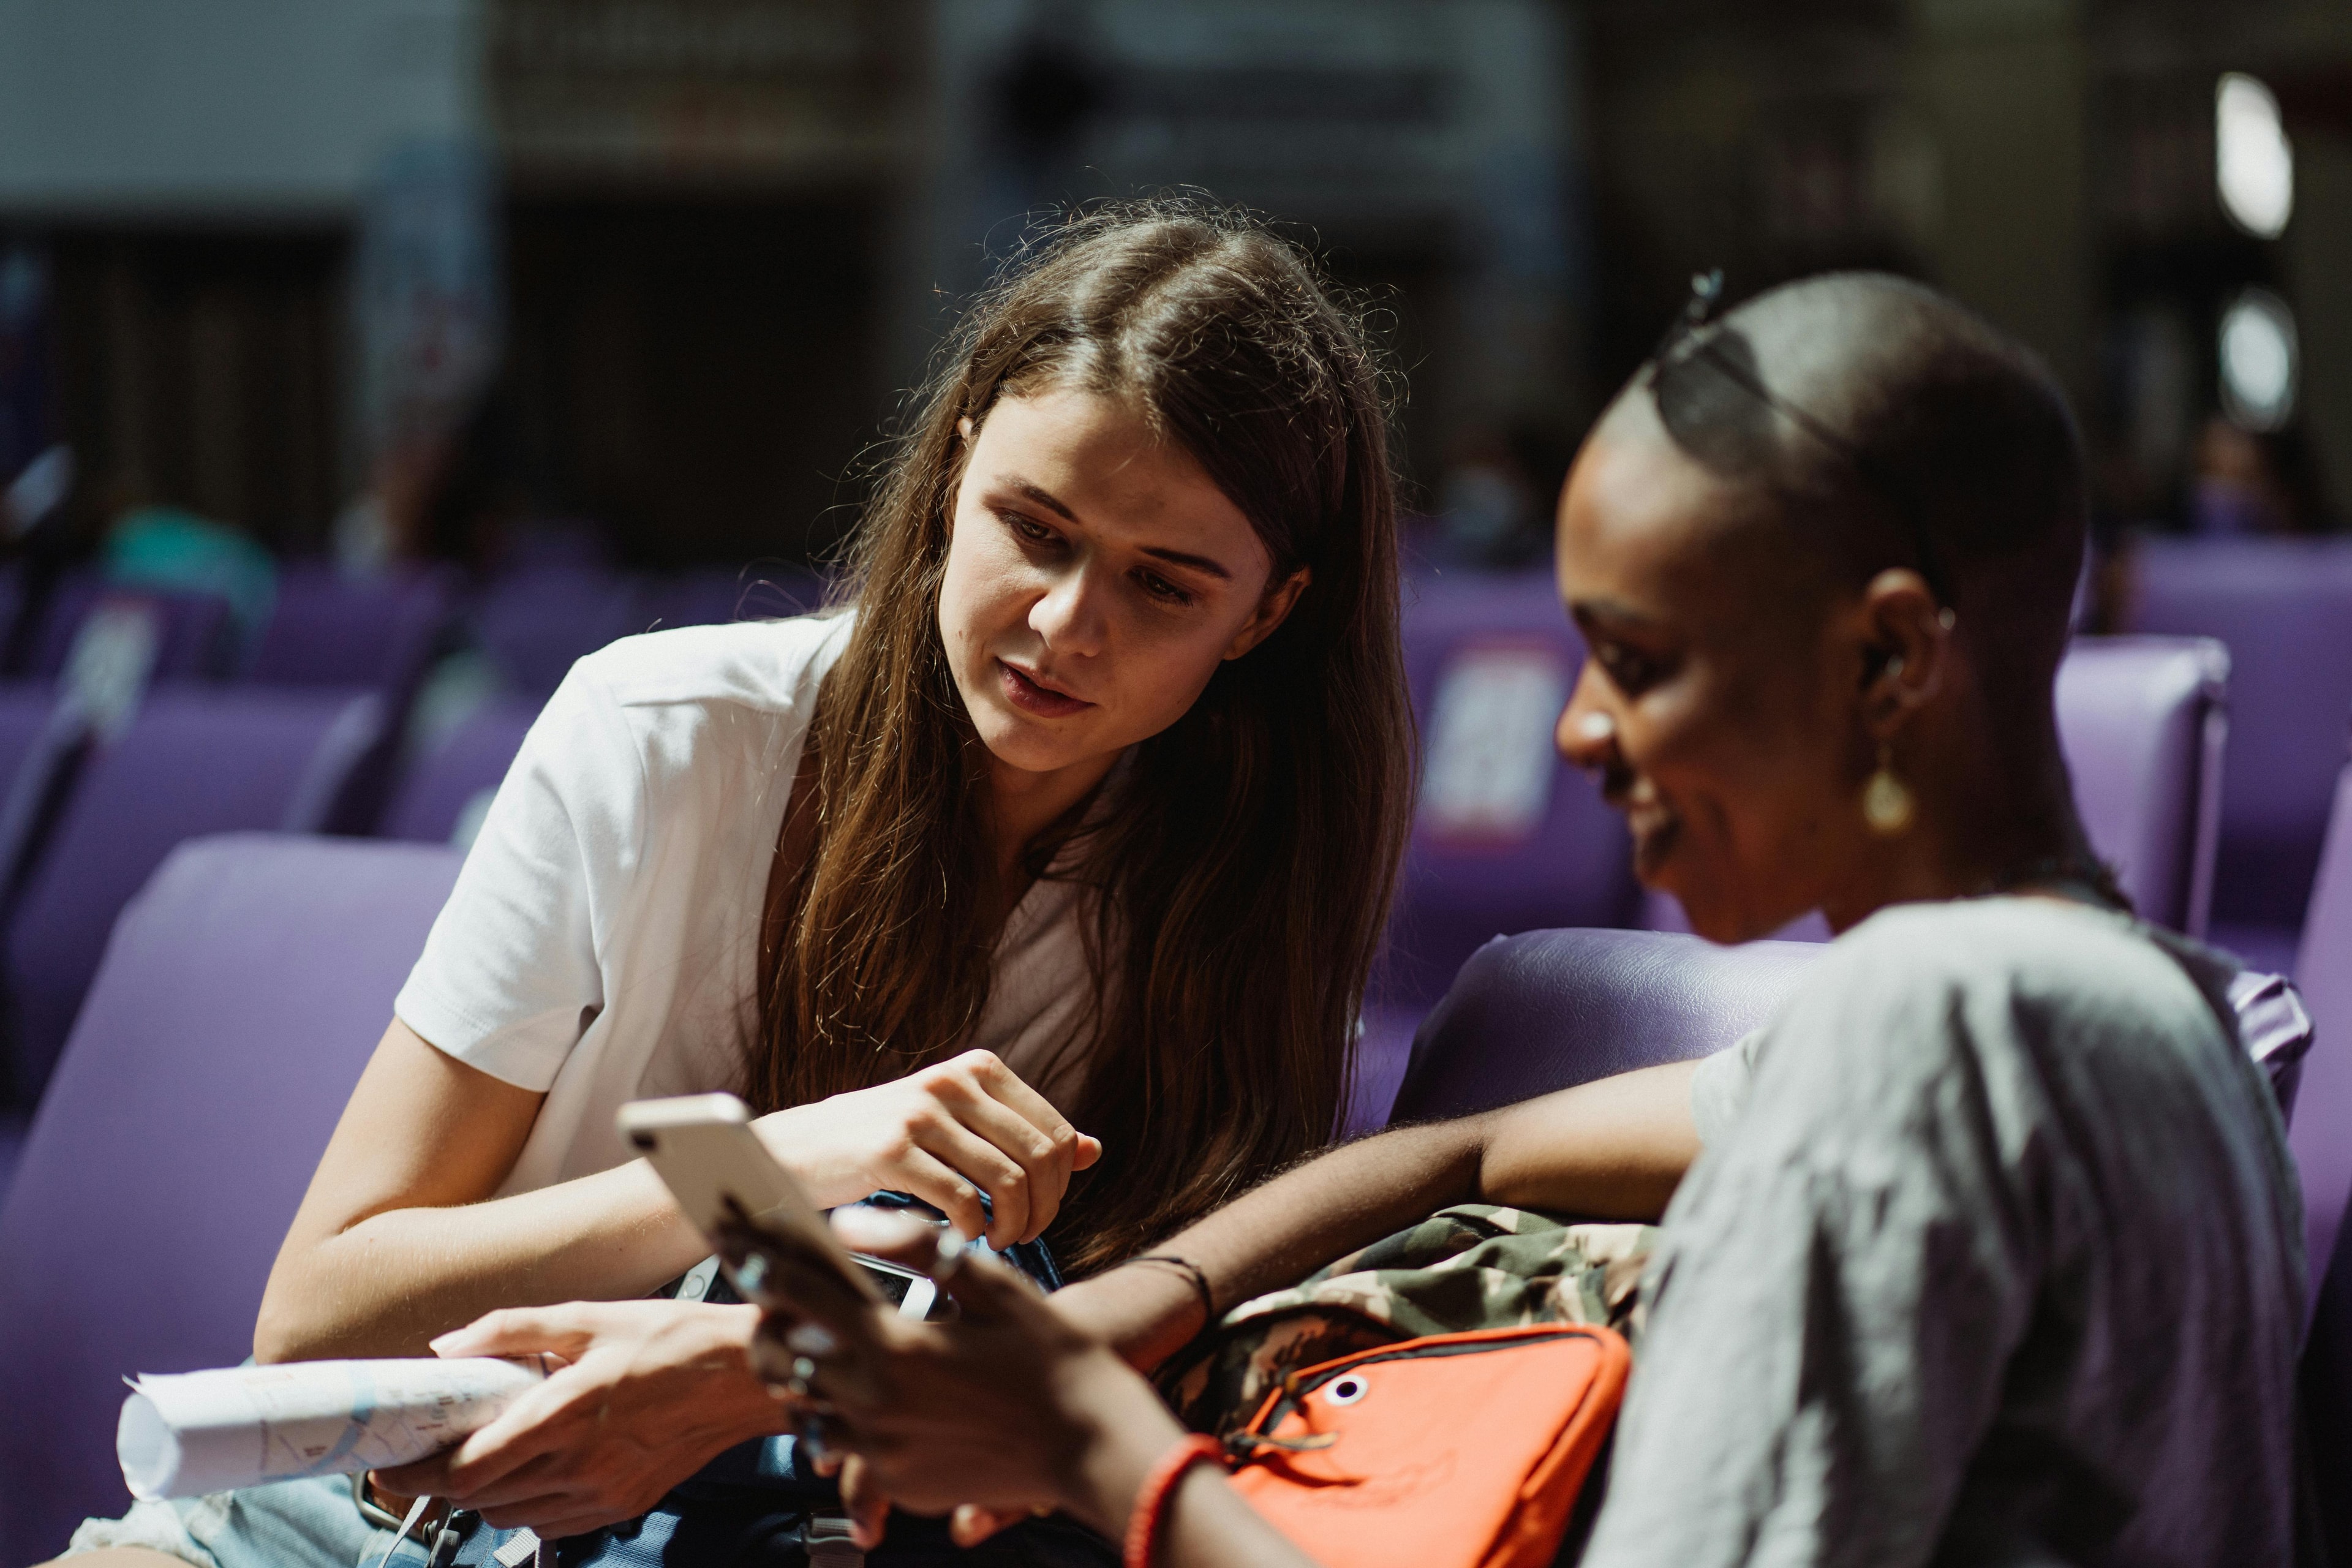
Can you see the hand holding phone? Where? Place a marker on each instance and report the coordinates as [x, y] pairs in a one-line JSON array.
[[705, 1150]]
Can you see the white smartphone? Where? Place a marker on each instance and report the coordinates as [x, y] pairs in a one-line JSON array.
[[703, 1148]]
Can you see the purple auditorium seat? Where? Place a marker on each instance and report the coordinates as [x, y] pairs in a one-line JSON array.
[[42, 743], [55, 618], [447, 788], [2142, 720], [193, 761], [533, 624], [329, 629], [12, 1145], [1551, 1009], [710, 598], [2322, 1141], [556, 543], [1506, 836], [2284, 608], [193, 638], [2322, 973], [376, 633], [244, 989]]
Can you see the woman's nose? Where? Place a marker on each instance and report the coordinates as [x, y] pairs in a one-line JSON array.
[[1587, 732], [1069, 616]]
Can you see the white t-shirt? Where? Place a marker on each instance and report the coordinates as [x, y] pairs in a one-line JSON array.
[[601, 945]]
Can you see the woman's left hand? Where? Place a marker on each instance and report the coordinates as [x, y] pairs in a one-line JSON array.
[[651, 1392]]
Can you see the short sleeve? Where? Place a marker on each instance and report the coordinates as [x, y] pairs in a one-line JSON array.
[[510, 975]]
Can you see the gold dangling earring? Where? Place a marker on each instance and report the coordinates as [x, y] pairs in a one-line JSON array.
[[1887, 801]]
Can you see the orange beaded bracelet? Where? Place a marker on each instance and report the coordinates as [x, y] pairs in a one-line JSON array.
[[1151, 1499]]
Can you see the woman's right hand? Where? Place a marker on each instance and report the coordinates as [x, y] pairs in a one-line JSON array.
[[992, 1414], [946, 1134]]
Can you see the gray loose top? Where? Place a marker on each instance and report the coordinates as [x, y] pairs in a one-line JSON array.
[[1994, 1257]]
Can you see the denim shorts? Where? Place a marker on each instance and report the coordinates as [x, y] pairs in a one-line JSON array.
[[316, 1524], [746, 1507], [293, 1524]]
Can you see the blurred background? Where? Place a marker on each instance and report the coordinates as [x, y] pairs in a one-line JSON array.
[[405, 279], [364, 362], [407, 349]]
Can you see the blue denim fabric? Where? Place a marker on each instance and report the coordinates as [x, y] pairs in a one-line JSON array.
[[748, 1506], [743, 1509]]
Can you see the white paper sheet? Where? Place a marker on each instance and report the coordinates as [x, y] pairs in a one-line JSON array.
[[185, 1433]]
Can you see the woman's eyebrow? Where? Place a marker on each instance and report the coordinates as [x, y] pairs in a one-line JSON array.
[[1043, 497], [1608, 610], [1051, 502], [1198, 562]]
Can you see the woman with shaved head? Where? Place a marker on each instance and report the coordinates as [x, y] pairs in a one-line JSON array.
[[1986, 1249]]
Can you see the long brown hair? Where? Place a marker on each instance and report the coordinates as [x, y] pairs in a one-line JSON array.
[[1242, 871]]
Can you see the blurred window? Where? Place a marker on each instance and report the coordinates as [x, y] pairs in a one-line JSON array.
[[2258, 361], [2252, 160]]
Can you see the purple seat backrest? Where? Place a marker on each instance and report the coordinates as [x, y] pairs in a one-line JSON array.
[[193, 642], [1506, 837], [2142, 720], [40, 741], [241, 996], [712, 598], [328, 629], [193, 761], [2284, 608], [2322, 1141], [28, 708], [2323, 972], [1551, 1009], [472, 758], [533, 624]]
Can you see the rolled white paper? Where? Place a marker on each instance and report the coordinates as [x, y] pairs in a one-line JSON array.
[[185, 1433]]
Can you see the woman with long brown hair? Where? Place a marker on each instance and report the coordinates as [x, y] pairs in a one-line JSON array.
[[1061, 844]]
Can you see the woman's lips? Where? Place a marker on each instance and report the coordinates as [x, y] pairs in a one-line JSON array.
[[1652, 823], [1654, 833], [1026, 693]]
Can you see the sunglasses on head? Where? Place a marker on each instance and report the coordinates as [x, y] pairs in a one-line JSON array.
[[1695, 339]]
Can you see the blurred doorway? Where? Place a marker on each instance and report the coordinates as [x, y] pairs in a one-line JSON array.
[[202, 369], [696, 374]]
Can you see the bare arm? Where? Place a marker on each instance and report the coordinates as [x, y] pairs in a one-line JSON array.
[[394, 1242], [1611, 1150], [1204, 1522], [399, 1239], [933, 1423]]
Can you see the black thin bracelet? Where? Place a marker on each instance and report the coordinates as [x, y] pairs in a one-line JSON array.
[[1199, 1277]]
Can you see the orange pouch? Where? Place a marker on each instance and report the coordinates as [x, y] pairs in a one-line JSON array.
[[1457, 1449]]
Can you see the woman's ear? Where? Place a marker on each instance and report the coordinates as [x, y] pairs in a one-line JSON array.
[[1272, 611], [1907, 650], [958, 462]]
